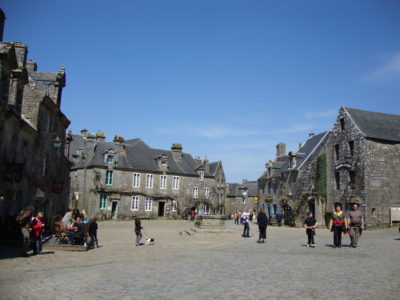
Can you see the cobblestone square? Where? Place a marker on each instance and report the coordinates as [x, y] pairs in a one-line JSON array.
[[184, 264]]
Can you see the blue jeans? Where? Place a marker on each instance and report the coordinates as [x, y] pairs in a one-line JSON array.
[[246, 229]]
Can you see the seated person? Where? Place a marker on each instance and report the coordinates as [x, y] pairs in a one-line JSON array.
[[76, 230]]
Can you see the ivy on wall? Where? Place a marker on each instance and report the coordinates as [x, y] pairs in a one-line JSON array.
[[320, 184]]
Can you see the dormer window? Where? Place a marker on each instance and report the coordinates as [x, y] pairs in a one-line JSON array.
[[110, 159]]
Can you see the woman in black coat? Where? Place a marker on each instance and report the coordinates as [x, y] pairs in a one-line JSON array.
[[262, 221]]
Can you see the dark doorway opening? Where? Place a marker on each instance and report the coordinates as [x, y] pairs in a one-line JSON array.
[[161, 208], [311, 206], [114, 209]]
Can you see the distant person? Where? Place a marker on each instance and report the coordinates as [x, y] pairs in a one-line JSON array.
[[310, 224], [356, 225], [138, 230], [246, 224], [24, 220], [262, 221], [279, 218], [93, 232], [237, 217], [67, 219], [337, 225], [37, 233]]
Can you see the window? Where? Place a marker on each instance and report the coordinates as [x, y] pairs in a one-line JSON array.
[[109, 177], [336, 152], [136, 179], [149, 180], [103, 202], [351, 148], [195, 192], [201, 175], [110, 159], [174, 206], [243, 200], [337, 179], [135, 203], [175, 183], [342, 124], [44, 161], [206, 192], [206, 209], [148, 204], [352, 178], [163, 182]]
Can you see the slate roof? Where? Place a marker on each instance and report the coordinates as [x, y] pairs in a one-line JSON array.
[[137, 156], [376, 125]]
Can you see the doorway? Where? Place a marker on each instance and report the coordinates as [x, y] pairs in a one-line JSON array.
[[114, 209], [161, 208], [311, 206]]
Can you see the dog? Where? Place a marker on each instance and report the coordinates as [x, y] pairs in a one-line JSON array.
[[149, 241]]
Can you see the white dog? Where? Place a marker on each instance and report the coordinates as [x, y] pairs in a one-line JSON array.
[[149, 241]]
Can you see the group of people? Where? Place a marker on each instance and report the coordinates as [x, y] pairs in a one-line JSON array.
[[352, 223], [31, 225]]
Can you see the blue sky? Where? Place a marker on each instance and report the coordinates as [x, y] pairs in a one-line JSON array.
[[227, 79]]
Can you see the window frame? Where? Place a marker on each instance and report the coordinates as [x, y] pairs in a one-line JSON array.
[[149, 181], [136, 180], [163, 182], [148, 204], [195, 192], [103, 200], [109, 177], [175, 183], [135, 203]]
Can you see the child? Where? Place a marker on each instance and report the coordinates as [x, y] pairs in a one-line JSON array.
[[37, 232], [310, 223]]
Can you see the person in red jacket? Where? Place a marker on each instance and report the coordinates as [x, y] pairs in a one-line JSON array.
[[37, 232]]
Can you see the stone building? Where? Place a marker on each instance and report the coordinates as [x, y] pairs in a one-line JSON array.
[[241, 196], [33, 168], [288, 185], [364, 163], [121, 179]]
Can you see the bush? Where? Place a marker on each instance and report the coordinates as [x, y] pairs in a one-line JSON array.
[[197, 223]]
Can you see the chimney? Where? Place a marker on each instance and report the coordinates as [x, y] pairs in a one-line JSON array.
[[197, 159], [31, 66], [84, 133], [311, 134], [280, 150], [21, 51], [91, 141], [177, 151], [2, 21], [100, 137], [119, 142], [206, 165]]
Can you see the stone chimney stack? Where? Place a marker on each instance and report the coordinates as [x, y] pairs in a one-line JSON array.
[[119, 142], [91, 142], [84, 133], [280, 150], [100, 137], [31, 66], [198, 159], [206, 165], [177, 151], [21, 51]]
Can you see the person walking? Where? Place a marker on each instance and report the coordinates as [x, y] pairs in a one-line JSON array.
[[246, 224], [93, 232], [356, 225], [310, 224], [24, 220], [262, 221], [138, 228], [37, 233], [337, 225]]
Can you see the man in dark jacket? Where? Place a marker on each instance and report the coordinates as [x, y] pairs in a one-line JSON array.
[[262, 221], [138, 228]]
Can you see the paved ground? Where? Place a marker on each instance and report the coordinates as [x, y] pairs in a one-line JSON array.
[[208, 266]]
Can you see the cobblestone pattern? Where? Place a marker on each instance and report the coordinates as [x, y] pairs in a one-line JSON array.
[[209, 266]]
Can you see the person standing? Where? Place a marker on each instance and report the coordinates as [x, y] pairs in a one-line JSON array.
[[246, 225], [93, 232], [138, 228], [279, 219], [262, 221], [356, 225], [310, 224], [37, 233], [24, 220], [337, 225]]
